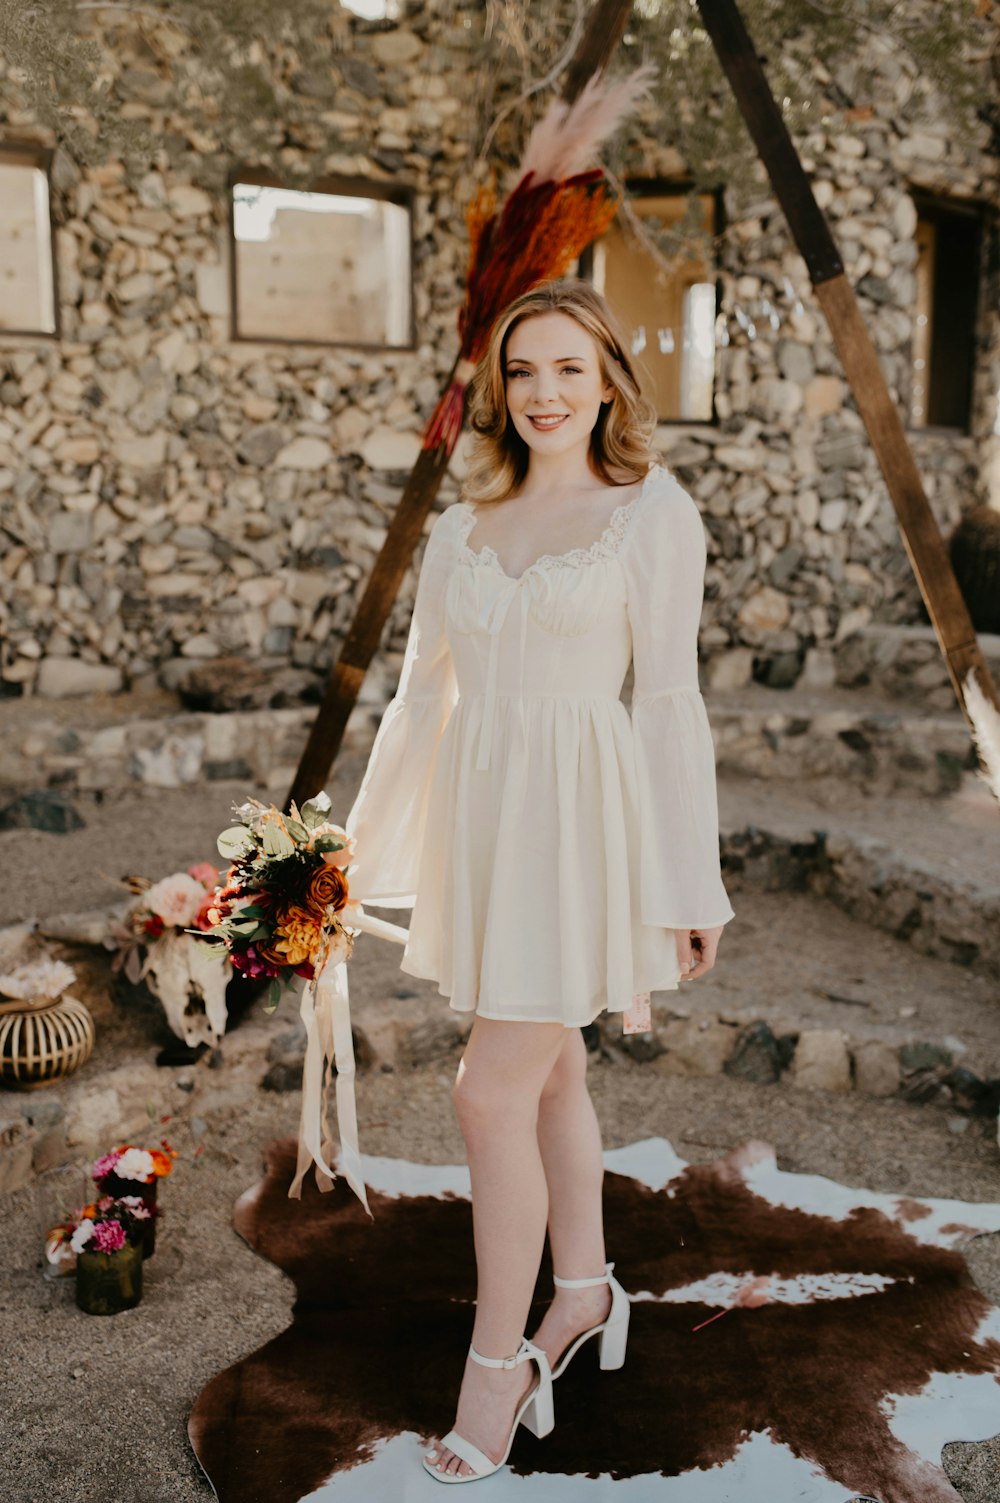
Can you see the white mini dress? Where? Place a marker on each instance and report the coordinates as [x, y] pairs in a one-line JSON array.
[[548, 839]]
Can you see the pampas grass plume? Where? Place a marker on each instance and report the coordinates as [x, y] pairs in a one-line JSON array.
[[985, 720], [566, 139]]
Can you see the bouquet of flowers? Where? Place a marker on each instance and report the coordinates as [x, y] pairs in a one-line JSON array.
[[128, 1164], [104, 1225], [280, 911], [173, 905]]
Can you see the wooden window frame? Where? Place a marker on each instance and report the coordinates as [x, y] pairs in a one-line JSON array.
[[15, 153], [335, 184], [651, 187], [928, 203]]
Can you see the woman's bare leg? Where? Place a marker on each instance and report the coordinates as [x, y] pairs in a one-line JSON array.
[[569, 1140], [500, 1081]]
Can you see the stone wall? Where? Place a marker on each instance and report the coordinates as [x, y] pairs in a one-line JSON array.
[[169, 496]]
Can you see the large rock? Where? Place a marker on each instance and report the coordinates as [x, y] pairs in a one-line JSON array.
[[730, 670], [42, 810], [70, 532], [94, 1118], [821, 1061], [132, 289], [187, 201], [431, 1041], [394, 48], [876, 1068], [61, 678], [258, 446], [767, 609], [697, 1046], [389, 449], [146, 453], [304, 454], [756, 1056]]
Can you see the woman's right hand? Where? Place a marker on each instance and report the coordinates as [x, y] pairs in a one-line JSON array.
[[696, 950]]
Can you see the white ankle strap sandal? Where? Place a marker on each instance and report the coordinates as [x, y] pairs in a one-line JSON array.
[[535, 1412], [614, 1330]]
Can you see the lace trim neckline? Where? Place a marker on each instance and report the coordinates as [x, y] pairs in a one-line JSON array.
[[605, 546]]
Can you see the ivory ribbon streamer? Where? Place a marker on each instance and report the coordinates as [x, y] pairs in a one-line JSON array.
[[326, 1012]]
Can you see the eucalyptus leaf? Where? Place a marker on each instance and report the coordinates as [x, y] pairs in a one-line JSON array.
[[328, 843], [236, 841], [298, 832], [277, 843], [273, 995], [315, 810]]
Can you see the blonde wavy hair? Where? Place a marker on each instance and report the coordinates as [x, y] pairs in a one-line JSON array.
[[622, 436]]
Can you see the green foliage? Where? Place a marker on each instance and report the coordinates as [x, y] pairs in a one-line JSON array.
[[245, 80], [822, 59]]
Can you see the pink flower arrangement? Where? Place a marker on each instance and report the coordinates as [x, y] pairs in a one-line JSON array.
[[139, 1165], [176, 903], [104, 1226]]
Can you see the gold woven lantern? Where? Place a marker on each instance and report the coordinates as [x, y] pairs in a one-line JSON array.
[[42, 1037]]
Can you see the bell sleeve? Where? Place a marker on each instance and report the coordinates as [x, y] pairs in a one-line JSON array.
[[680, 869], [388, 816]]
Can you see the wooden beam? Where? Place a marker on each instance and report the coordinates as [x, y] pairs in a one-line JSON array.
[[605, 27], [921, 535]]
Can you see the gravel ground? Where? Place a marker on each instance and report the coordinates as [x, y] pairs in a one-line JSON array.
[[122, 1389]]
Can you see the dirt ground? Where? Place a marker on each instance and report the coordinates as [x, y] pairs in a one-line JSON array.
[[100, 1408]]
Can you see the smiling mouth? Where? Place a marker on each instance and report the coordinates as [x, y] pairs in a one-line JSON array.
[[551, 421]]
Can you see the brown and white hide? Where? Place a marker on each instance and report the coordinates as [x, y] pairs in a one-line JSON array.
[[864, 1348]]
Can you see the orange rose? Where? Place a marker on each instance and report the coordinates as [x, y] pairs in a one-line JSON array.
[[328, 889]]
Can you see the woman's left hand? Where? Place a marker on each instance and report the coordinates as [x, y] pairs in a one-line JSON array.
[[696, 950]]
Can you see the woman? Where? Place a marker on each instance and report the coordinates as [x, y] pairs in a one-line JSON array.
[[560, 854]]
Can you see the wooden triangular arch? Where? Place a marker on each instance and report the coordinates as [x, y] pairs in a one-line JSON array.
[[921, 535]]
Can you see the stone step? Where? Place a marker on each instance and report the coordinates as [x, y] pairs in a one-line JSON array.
[[925, 872], [904, 662], [856, 736], [805, 995], [875, 744]]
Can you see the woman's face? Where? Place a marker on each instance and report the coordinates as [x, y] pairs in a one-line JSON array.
[[553, 383]]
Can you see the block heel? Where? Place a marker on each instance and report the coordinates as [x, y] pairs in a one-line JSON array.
[[613, 1331]]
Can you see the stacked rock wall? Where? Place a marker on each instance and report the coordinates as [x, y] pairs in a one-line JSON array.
[[169, 495]]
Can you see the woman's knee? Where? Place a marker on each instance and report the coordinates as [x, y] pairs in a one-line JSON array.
[[569, 1072], [504, 1067]]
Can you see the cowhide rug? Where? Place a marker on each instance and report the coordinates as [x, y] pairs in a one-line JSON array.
[[852, 1347]]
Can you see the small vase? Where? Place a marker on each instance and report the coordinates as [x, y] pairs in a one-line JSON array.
[[112, 1185], [107, 1283]]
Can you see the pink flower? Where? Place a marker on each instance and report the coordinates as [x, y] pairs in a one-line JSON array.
[[205, 873], [138, 1207], [108, 1236], [175, 900], [105, 1166], [251, 964]]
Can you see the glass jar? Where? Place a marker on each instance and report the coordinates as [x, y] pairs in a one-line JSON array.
[[109, 1282]]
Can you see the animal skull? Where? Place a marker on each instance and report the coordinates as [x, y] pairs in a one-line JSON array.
[[190, 981]]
